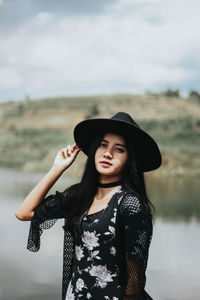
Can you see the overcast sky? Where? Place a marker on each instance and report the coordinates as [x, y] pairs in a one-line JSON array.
[[83, 47]]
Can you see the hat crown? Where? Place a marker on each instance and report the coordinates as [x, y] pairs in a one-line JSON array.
[[124, 117]]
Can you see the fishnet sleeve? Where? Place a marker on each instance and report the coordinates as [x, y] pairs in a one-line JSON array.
[[137, 231], [45, 216], [68, 254]]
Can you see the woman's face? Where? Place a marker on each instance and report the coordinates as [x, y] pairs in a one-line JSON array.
[[111, 156]]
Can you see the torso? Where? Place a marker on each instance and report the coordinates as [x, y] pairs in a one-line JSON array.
[[95, 267]]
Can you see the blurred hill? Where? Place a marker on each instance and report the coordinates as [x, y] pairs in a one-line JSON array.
[[32, 131]]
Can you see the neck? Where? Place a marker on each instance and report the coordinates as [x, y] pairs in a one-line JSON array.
[[109, 184], [108, 178], [105, 191]]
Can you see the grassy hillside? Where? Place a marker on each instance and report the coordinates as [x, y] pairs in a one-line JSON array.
[[33, 131]]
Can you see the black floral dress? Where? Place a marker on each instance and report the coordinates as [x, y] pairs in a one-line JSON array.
[[109, 260], [96, 273]]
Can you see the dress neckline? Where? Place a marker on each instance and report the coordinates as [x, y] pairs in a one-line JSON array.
[[99, 211]]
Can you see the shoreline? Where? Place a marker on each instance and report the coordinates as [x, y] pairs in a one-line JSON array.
[[160, 172]]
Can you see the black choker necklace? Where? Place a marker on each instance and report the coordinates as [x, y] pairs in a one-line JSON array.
[[110, 184]]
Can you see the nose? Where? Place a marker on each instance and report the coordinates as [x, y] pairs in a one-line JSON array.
[[108, 154]]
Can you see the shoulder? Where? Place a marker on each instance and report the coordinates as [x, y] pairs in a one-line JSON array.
[[133, 212], [68, 195], [131, 200], [71, 190], [131, 203]]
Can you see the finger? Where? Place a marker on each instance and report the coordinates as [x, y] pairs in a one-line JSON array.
[[70, 149], [67, 151], [75, 147], [63, 154], [66, 154], [77, 151]]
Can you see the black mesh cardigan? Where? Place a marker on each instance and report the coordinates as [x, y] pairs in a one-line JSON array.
[[133, 234]]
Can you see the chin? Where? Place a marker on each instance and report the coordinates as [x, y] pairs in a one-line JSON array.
[[106, 172], [103, 171]]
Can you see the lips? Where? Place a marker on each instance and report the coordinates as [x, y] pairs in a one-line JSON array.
[[105, 163]]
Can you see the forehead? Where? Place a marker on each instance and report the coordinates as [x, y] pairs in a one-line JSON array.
[[114, 137]]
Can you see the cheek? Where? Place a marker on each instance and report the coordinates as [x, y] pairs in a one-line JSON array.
[[122, 161], [97, 154], [95, 159]]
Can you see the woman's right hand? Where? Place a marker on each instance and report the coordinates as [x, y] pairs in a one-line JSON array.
[[65, 157]]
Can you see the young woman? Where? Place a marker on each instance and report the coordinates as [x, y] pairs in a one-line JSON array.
[[108, 216]]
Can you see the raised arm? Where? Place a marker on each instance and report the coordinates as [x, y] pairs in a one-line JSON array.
[[63, 160]]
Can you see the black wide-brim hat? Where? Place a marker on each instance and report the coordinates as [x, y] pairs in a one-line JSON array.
[[147, 151]]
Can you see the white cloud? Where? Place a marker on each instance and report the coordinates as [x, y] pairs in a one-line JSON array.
[[124, 4], [43, 18], [10, 78], [50, 52]]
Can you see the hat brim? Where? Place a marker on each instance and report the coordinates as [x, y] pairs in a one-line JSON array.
[[147, 151]]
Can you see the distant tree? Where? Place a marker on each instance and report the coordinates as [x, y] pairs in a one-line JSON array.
[[153, 94], [92, 112], [27, 98], [194, 94], [171, 93], [21, 108]]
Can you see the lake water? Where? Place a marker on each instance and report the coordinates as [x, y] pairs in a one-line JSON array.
[[173, 266]]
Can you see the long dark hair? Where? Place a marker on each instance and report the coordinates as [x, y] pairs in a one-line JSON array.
[[82, 194]]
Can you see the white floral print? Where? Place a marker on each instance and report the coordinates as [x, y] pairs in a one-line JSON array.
[[90, 239], [89, 296], [79, 252], [114, 217], [111, 231], [79, 270], [80, 284], [113, 250], [93, 254], [69, 295], [102, 275], [119, 200]]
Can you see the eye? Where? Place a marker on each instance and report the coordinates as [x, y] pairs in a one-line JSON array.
[[103, 145], [120, 150]]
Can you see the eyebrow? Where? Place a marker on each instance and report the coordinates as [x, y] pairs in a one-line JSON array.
[[115, 144]]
